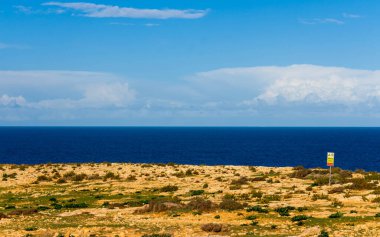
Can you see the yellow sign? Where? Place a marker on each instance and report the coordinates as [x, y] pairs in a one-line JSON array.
[[330, 158]]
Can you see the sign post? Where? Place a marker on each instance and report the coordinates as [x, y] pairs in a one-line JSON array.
[[330, 163]]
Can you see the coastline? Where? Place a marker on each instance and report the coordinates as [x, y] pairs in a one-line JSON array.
[[124, 199]]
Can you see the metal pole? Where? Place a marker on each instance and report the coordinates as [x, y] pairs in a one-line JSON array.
[[330, 177]]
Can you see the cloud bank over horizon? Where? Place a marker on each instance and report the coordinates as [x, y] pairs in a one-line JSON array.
[[309, 84], [63, 90], [247, 92]]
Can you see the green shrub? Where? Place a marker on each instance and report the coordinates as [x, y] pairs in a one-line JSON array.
[[258, 209], [320, 181], [300, 218], [376, 199], [337, 203], [79, 177], [42, 208], [69, 175], [301, 209], [57, 206], [53, 199], [315, 197], [300, 172], [10, 207], [61, 181], [240, 181], [323, 234], [377, 215], [235, 187], [111, 175], [43, 178], [270, 198], [251, 217], [169, 188], [131, 178], [196, 192], [361, 184], [179, 174], [372, 176], [189, 172], [76, 205], [254, 223], [259, 178], [10, 176], [31, 228], [336, 215], [257, 194], [157, 235], [284, 211]]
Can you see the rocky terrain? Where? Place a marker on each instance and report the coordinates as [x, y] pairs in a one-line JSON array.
[[162, 200]]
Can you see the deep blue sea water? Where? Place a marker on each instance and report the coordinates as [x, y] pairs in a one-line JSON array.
[[354, 147]]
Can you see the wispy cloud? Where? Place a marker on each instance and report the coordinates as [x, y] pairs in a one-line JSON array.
[[112, 11], [350, 15], [133, 24], [315, 21], [11, 46], [151, 24], [30, 10], [330, 20], [24, 9], [122, 23], [4, 46]]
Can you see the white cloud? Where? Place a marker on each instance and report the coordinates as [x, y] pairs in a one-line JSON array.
[[293, 85], [268, 92], [117, 94], [24, 9], [132, 24], [350, 15], [316, 21], [64, 89], [9, 101], [107, 11], [151, 24], [122, 23], [30, 10]]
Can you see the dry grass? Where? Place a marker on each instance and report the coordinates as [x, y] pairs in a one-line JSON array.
[[109, 199]]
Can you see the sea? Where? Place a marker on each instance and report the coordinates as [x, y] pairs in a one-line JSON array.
[[354, 148]]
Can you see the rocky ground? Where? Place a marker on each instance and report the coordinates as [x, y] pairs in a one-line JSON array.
[[162, 200]]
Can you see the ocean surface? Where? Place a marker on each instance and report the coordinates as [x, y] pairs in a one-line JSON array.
[[354, 147]]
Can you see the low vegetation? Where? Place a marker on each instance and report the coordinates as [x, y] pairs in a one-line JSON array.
[[162, 200]]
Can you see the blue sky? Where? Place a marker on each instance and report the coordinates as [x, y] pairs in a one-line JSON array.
[[189, 63]]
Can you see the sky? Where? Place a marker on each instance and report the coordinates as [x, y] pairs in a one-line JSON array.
[[190, 63]]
